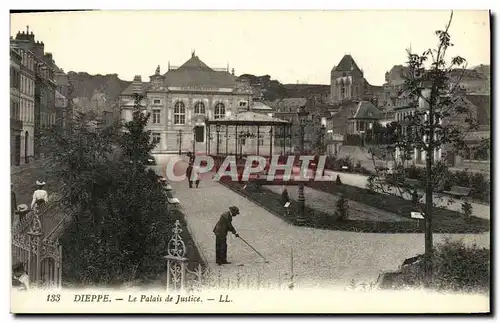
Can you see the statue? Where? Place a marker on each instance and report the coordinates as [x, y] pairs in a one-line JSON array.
[[157, 72]]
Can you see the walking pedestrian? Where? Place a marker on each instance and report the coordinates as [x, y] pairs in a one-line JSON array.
[[196, 175], [40, 196], [189, 172], [223, 226]]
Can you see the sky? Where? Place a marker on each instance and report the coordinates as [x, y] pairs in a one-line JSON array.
[[290, 46]]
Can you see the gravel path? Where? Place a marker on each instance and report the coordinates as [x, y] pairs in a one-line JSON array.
[[325, 202], [321, 258]]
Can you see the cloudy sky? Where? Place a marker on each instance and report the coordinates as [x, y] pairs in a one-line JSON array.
[[291, 46]]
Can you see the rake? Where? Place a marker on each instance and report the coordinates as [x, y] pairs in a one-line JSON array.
[[254, 249]]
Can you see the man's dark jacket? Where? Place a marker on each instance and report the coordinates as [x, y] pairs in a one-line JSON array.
[[224, 225], [189, 171]]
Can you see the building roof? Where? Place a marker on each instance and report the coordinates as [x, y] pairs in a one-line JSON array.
[[130, 89], [288, 104], [257, 105], [196, 73], [249, 118], [346, 64], [366, 110]]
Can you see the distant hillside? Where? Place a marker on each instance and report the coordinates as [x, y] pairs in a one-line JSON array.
[[84, 87], [85, 84]]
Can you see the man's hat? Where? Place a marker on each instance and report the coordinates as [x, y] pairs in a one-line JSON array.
[[40, 183], [234, 210], [22, 208]]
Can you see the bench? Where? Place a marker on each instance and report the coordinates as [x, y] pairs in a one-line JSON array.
[[458, 191]]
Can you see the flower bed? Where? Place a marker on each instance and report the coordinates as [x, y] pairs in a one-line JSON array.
[[445, 221]]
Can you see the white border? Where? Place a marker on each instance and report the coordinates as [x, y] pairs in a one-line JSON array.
[[213, 5]]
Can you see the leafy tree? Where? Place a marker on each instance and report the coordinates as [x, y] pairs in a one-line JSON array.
[[440, 118], [118, 205], [136, 143]]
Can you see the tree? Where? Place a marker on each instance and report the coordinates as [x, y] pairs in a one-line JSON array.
[[118, 205], [439, 118], [136, 142]]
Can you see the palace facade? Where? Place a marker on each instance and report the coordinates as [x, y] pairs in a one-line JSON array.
[[180, 101]]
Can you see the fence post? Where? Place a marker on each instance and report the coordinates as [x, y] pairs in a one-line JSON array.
[[176, 261], [30, 259], [35, 243], [59, 264]]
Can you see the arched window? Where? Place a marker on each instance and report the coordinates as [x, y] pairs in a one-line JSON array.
[[219, 111], [199, 108], [179, 113]]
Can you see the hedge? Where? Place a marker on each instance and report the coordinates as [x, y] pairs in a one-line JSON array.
[[479, 182]]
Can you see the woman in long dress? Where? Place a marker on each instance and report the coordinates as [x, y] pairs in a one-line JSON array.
[[40, 196]]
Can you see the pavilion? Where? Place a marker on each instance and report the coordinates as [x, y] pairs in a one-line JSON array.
[[246, 133]]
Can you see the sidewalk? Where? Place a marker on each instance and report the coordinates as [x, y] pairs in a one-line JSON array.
[[321, 258]]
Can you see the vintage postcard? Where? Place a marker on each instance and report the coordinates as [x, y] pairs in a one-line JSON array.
[[250, 161]]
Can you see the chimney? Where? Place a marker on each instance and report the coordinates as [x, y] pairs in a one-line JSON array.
[[137, 84], [39, 49], [49, 58]]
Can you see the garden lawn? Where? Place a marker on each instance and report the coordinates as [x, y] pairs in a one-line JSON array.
[[445, 221], [326, 202]]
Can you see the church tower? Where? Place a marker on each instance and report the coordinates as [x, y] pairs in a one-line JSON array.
[[347, 81]]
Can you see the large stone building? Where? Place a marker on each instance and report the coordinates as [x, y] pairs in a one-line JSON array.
[[347, 82], [42, 64], [26, 101], [16, 123], [181, 99], [63, 100], [314, 130]]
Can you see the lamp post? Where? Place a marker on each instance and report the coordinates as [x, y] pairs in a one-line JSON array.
[[301, 217], [194, 141], [217, 129], [241, 139], [362, 132], [323, 138], [179, 138]]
